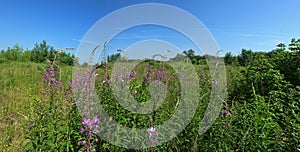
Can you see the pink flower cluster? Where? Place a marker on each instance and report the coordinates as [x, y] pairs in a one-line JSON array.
[[49, 78], [151, 133], [226, 113], [90, 126]]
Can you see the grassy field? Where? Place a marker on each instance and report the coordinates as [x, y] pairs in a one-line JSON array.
[[39, 116], [20, 86]]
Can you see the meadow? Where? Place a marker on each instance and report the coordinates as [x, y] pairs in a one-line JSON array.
[[39, 109]]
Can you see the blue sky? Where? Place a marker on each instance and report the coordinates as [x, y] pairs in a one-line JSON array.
[[252, 24]]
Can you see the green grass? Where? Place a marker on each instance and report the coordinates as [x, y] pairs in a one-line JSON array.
[[19, 85], [251, 126]]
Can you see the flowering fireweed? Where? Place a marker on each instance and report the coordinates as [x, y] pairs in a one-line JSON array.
[[90, 126], [53, 84], [152, 133], [84, 93], [85, 98], [49, 125], [226, 114]]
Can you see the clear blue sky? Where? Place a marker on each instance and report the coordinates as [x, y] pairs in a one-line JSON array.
[[235, 24]]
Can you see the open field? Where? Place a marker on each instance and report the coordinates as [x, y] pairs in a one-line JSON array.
[[39, 114]]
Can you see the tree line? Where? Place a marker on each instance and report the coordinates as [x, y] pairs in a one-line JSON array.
[[41, 53], [285, 59]]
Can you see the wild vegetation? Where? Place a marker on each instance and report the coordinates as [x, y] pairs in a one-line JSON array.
[[39, 109]]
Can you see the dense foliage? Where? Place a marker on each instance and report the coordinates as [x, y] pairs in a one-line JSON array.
[[41, 53]]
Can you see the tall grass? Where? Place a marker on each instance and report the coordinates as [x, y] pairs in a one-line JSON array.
[[36, 116], [19, 85]]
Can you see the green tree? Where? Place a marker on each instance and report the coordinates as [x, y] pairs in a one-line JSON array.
[[294, 45], [261, 76], [229, 59], [2, 53], [66, 59], [14, 54], [288, 63], [246, 57], [190, 53], [113, 57], [26, 56], [281, 46], [200, 59], [40, 52]]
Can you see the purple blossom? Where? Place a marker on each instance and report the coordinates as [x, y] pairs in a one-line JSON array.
[[152, 132], [159, 73], [148, 80], [201, 72], [30, 125], [70, 82], [148, 77], [127, 75], [120, 78], [50, 79], [133, 74], [81, 130], [60, 84], [164, 75], [46, 76], [90, 126], [226, 112], [225, 125]]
